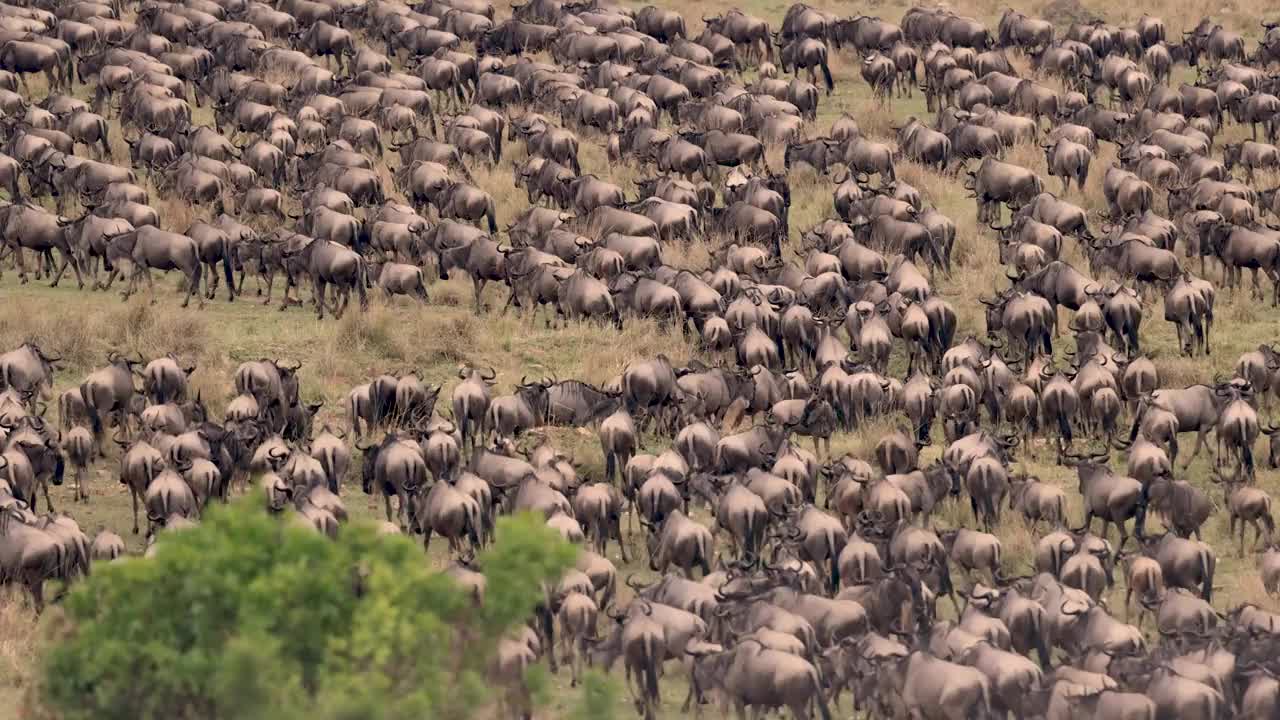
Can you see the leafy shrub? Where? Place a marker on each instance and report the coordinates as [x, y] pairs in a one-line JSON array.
[[249, 617]]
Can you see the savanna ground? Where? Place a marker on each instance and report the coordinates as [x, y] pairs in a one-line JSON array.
[[434, 341]]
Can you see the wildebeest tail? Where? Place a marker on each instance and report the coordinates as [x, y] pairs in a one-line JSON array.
[[492, 215], [197, 272], [819, 696], [835, 565], [59, 467], [1207, 565], [826, 76], [362, 282], [610, 464], [464, 424], [64, 405], [991, 506], [652, 657], [330, 469], [475, 524], [95, 421], [548, 623], [353, 413], [1064, 427], [226, 270], [362, 236], [55, 566], [1042, 650], [984, 708]]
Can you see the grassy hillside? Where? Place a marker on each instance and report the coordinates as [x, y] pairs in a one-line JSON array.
[[336, 355]]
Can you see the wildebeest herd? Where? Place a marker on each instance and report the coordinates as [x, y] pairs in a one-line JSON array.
[[818, 574]]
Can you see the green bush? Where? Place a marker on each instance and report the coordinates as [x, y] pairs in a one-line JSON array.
[[249, 617]]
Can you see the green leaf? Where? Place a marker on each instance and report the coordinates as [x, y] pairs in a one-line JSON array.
[[250, 616]]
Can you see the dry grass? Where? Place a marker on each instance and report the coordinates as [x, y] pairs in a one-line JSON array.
[[18, 649]]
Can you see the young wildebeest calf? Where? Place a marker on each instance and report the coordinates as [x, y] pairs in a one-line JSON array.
[[81, 451], [399, 279]]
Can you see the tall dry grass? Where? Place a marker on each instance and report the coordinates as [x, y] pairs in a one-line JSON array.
[[18, 650]]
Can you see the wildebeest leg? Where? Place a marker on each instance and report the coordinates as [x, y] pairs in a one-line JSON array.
[[317, 294], [133, 279], [22, 264], [134, 495], [1199, 444], [477, 284], [213, 279], [346, 299], [386, 500], [337, 306], [193, 286], [402, 511], [44, 484], [62, 268]]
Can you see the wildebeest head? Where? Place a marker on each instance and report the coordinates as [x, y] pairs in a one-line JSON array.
[[489, 378], [279, 492], [535, 395], [130, 364], [43, 450], [288, 380], [47, 363]]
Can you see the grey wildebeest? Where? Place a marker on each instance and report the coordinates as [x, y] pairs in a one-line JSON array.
[[147, 248], [328, 263]]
